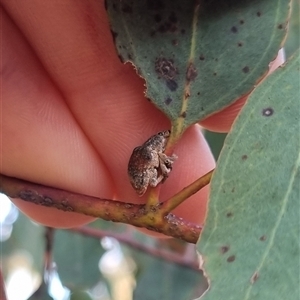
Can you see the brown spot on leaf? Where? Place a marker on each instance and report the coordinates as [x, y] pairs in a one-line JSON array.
[[267, 112], [183, 114], [246, 69], [191, 72], [165, 68], [229, 214], [232, 190], [234, 29], [258, 13], [244, 157], [280, 26], [254, 277], [231, 258], [215, 74], [168, 26], [242, 22], [168, 100], [172, 85], [263, 238], [240, 44], [201, 57], [224, 249]]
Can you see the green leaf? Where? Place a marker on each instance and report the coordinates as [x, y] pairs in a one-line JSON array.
[[292, 43], [215, 141], [250, 244], [159, 279], [77, 259], [198, 56]]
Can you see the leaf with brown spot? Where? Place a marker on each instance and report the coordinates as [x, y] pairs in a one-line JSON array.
[[260, 220], [192, 53]]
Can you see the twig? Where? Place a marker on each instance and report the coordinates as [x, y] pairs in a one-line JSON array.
[[116, 211], [125, 239], [185, 193]]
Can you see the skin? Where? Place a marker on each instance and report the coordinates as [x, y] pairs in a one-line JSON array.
[[72, 113]]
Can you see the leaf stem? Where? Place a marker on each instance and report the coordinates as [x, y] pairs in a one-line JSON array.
[[185, 193], [176, 133], [153, 198]]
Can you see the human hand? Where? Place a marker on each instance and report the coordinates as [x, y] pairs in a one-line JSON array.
[[72, 113]]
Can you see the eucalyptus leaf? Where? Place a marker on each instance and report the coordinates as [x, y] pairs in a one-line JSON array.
[[77, 259], [215, 141], [198, 57], [292, 43], [159, 279], [251, 241]]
